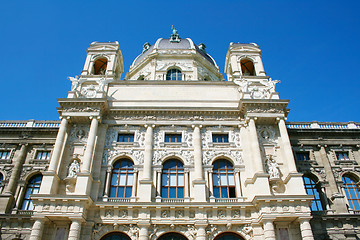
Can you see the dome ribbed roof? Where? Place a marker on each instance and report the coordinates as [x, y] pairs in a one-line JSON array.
[[166, 43]]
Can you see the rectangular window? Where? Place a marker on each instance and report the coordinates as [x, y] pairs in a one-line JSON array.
[[126, 137], [4, 154], [173, 138], [342, 156], [43, 155], [302, 156], [220, 138]]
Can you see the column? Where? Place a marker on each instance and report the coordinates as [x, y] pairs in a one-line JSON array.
[[59, 143], [333, 191], [258, 165], [197, 154], [134, 186], [305, 228], [148, 153], [287, 149], [211, 183], [158, 183], [237, 183], [269, 230], [75, 228], [90, 145], [143, 233], [108, 181], [19, 161], [37, 230], [186, 183], [20, 196], [201, 233]]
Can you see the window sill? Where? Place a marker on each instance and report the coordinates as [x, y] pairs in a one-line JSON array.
[[172, 144], [222, 145], [345, 162], [125, 144]]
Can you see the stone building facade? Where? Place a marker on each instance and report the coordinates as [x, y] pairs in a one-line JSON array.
[[174, 151]]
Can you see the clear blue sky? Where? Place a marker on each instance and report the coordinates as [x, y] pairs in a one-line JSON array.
[[311, 46]]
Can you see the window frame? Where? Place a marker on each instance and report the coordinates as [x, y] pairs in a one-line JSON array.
[[173, 72], [220, 174], [225, 137], [2, 153], [297, 154], [313, 188], [125, 189], [41, 152], [130, 135], [171, 134], [354, 185], [168, 175], [32, 184]]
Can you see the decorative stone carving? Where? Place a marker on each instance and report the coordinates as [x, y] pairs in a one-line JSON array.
[[158, 155], [221, 214], [264, 110], [272, 168], [192, 231], [88, 92], [74, 168], [188, 138], [79, 133], [137, 155], [234, 136], [164, 213], [123, 213], [235, 213], [206, 139], [266, 134], [179, 213], [109, 213], [81, 109], [158, 138], [133, 231], [210, 154], [211, 231]]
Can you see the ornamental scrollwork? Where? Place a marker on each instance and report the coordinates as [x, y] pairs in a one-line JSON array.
[[210, 154]]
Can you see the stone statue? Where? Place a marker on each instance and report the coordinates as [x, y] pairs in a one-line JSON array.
[[272, 168], [271, 85], [102, 83], [244, 85], [73, 169], [75, 81]]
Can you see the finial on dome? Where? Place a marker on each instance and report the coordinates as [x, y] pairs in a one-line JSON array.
[[174, 36]]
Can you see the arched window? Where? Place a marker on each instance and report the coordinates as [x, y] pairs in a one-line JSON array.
[[116, 236], [352, 191], [100, 66], [223, 179], [228, 236], [174, 74], [312, 188], [172, 236], [172, 179], [122, 179], [32, 187], [247, 67]]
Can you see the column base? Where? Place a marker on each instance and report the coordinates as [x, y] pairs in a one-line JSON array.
[[49, 183], [6, 202], [83, 184], [258, 185], [199, 191], [145, 188]]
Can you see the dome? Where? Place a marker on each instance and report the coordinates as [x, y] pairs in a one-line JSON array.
[[175, 44]]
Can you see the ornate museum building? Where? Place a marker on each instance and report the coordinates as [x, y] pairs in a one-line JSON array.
[[173, 151]]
